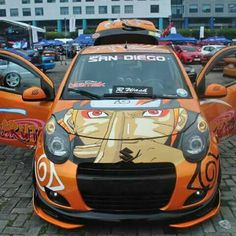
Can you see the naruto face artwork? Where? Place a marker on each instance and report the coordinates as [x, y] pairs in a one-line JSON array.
[[128, 135]]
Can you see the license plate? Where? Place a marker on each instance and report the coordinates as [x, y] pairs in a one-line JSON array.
[[196, 59]]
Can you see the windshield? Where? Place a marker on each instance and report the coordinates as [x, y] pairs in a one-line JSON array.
[[99, 76], [189, 49]]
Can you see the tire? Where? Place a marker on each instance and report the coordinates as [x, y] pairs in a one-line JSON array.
[[12, 80]]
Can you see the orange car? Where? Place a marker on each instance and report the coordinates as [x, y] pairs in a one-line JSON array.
[[127, 137]]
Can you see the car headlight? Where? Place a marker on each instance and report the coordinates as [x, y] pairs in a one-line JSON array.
[[195, 141], [56, 142]]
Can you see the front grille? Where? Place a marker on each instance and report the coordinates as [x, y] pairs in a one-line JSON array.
[[126, 187]]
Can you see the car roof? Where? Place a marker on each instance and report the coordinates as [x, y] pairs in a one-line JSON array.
[[124, 48]]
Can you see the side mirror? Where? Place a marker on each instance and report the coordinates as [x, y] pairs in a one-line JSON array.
[[34, 94], [215, 90]]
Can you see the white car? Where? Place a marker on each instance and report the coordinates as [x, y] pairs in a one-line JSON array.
[[11, 75], [208, 48]]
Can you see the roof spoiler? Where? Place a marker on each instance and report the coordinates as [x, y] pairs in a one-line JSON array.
[[129, 31]]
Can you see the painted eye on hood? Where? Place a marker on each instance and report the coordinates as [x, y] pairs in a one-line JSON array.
[[155, 113], [94, 114]]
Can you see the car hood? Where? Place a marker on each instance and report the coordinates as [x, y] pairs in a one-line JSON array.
[[125, 119]]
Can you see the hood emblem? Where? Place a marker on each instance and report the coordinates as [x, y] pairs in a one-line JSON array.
[[126, 155]]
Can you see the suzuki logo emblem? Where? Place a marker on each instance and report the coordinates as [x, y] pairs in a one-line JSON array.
[[126, 155]]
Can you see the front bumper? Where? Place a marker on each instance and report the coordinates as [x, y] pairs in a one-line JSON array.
[[74, 219]]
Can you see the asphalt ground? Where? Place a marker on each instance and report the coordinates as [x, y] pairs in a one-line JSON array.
[[17, 216]]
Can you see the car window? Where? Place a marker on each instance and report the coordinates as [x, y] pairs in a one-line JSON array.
[[16, 78], [222, 70], [101, 74], [189, 49]]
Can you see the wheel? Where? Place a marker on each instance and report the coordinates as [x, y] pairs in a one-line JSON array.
[[12, 80]]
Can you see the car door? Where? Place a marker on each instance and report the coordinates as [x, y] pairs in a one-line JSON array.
[[216, 88], [21, 121]]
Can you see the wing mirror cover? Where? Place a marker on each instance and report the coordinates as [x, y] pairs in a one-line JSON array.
[[34, 94], [215, 90]]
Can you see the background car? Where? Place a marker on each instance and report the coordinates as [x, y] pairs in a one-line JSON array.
[[51, 52], [206, 57], [44, 62], [11, 75], [188, 54], [209, 48]]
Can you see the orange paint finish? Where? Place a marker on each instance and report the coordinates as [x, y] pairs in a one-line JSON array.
[[143, 24]]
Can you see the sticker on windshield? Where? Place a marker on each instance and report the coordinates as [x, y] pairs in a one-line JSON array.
[[87, 83], [132, 90], [140, 57], [182, 92]]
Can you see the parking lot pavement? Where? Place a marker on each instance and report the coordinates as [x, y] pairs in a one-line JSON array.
[[17, 217]]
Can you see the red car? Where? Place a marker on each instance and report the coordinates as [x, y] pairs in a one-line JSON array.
[[188, 54]]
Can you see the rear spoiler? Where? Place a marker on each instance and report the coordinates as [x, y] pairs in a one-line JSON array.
[[126, 35]]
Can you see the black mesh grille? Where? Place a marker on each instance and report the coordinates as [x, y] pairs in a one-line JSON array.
[[126, 187]]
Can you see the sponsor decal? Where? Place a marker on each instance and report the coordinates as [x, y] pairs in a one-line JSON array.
[[182, 92], [225, 124], [87, 83], [23, 130], [132, 90], [140, 57]]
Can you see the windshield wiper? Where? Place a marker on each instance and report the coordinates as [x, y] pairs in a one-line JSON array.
[[128, 95], [84, 93], [133, 95]]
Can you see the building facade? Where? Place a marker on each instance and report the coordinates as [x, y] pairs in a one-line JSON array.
[[208, 13], [55, 15]]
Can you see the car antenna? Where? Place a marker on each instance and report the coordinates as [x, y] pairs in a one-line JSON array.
[[126, 45]]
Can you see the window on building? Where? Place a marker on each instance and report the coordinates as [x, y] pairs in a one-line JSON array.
[[115, 9], [89, 10], [102, 9], [64, 10], [89, 0], [115, 0], [14, 12], [154, 8], [76, 0], [193, 8], [232, 8], [25, 1], [50, 1], [2, 2], [219, 8], [63, 0], [206, 8], [38, 1], [128, 0], [77, 10], [177, 10], [39, 11], [26, 11], [3, 12], [129, 9]]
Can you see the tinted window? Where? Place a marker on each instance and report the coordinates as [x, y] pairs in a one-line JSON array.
[[101, 73], [222, 70], [16, 78]]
